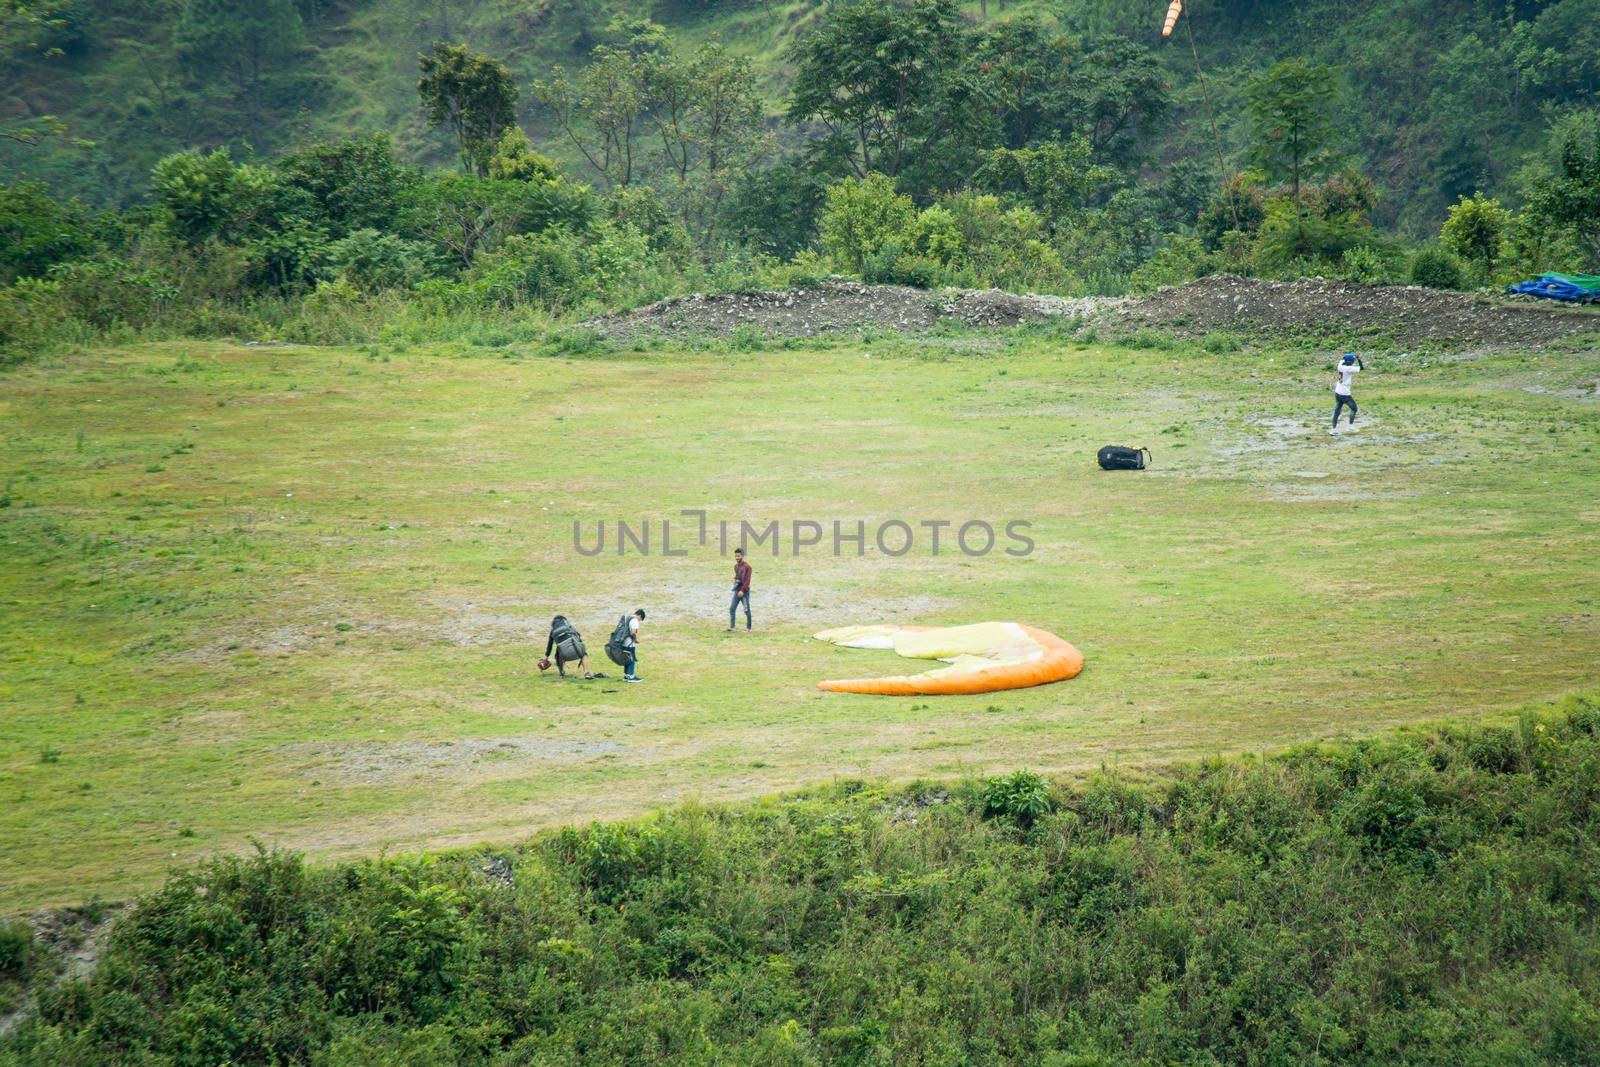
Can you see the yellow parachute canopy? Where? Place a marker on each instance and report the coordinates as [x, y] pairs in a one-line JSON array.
[[983, 657], [1173, 11]]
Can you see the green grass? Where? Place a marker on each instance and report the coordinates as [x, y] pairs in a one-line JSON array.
[[296, 594]]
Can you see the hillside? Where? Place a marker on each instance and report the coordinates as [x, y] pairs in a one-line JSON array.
[[1435, 99]]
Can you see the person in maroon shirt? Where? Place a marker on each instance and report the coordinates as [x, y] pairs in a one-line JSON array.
[[741, 589]]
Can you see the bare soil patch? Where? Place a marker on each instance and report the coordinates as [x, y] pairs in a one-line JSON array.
[[369, 762]]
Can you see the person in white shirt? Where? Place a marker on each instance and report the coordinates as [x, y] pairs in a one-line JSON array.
[[623, 647], [631, 672], [1344, 377]]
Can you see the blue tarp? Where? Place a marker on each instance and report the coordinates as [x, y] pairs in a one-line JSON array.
[[1559, 287]]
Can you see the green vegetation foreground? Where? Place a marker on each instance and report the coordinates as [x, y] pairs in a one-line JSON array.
[[1429, 899], [297, 594]]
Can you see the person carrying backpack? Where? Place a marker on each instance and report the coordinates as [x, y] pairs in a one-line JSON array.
[[1344, 379], [623, 647], [568, 646]]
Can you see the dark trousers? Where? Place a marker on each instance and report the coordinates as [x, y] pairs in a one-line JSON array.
[[733, 608], [1339, 404]]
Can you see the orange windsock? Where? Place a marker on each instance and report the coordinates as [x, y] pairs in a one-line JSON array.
[[1173, 11]]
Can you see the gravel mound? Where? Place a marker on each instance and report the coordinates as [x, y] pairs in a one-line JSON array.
[[837, 307], [1406, 315]]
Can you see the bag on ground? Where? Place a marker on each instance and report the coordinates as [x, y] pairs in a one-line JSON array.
[[1120, 458]]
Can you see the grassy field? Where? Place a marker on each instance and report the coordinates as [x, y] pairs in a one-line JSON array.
[[297, 594]]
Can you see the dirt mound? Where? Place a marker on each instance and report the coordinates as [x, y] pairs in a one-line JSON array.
[[1404, 315], [837, 307]]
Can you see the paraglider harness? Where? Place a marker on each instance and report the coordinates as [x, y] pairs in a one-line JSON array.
[[567, 641], [619, 649], [1119, 458]]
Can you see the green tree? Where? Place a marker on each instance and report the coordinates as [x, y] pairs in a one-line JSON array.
[[873, 73], [471, 93], [249, 41], [466, 216], [1569, 199], [641, 110], [604, 109], [1289, 110], [1058, 178], [515, 160]]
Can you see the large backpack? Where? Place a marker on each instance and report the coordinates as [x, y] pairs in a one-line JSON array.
[[620, 637], [619, 647], [1118, 458]]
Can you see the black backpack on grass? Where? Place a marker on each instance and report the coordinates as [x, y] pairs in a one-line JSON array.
[[1118, 458]]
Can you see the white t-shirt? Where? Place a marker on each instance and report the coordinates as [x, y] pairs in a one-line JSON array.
[[633, 626], [1347, 374]]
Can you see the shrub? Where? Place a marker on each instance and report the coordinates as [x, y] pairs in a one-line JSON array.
[[1365, 265], [1179, 260], [37, 232], [1475, 231], [372, 261], [16, 948], [860, 216], [1436, 268], [1021, 795]]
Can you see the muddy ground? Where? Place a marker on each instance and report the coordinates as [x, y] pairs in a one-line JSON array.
[[1402, 316]]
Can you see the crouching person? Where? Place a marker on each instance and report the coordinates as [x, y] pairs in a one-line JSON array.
[[567, 644]]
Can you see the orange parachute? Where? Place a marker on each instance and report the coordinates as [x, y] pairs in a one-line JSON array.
[[981, 657], [1173, 11]]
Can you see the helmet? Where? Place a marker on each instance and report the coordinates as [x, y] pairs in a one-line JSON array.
[[1349, 357]]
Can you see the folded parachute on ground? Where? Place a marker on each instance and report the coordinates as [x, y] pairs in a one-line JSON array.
[[983, 657]]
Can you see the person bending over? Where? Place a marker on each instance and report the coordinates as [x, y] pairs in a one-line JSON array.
[[567, 644]]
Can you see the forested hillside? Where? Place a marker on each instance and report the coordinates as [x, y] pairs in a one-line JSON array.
[[1433, 99], [332, 173]]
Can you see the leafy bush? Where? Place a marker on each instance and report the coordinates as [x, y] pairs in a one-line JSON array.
[[1021, 795], [1366, 265], [860, 216], [1436, 268], [1475, 231], [373, 261], [16, 948], [37, 232]]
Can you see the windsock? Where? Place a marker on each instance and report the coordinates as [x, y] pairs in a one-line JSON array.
[[1173, 11]]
